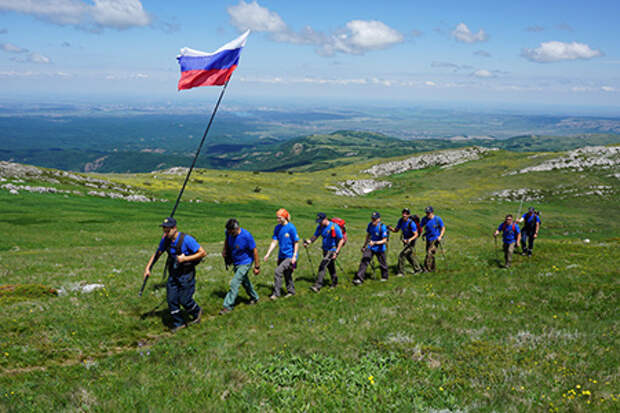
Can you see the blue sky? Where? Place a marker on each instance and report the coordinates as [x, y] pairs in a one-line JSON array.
[[514, 53]]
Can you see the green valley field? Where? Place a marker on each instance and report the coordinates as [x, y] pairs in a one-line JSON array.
[[541, 336]]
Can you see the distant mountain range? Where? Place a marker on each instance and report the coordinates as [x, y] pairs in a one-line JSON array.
[[307, 153]]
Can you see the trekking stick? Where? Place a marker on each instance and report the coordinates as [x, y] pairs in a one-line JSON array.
[[143, 285], [309, 259], [496, 251]]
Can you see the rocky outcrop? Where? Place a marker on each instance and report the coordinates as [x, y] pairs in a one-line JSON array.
[[359, 187], [601, 157], [444, 159], [558, 192]]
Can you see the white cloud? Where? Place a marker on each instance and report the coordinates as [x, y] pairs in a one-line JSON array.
[[462, 34], [430, 83], [11, 48], [256, 18], [483, 74], [117, 14], [555, 51], [608, 89], [581, 89], [39, 58], [356, 37]]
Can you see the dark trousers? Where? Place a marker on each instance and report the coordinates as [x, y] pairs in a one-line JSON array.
[[366, 258], [527, 239], [179, 292], [408, 254], [327, 263], [431, 250], [283, 270]]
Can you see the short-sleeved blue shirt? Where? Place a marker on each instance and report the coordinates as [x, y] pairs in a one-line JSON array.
[[241, 247], [287, 236], [530, 221], [508, 234], [190, 245], [408, 227], [332, 234], [377, 233], [433, 227]]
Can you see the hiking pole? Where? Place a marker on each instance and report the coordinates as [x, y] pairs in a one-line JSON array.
[[309, 259], [143, 285], [496, 251]]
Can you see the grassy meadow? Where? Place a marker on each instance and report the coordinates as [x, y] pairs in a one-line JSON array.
[[541, 336]]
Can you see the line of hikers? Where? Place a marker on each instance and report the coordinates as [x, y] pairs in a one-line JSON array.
[[240, 251]]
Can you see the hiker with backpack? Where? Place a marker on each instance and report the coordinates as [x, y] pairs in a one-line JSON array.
[[434, 232], [240, 249], [184, 253], [285, 235], [530, 230], [511, 236], [410, 233], [375, 244], [334, 238]]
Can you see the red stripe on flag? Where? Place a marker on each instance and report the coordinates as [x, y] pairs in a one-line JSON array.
[[196, 78]]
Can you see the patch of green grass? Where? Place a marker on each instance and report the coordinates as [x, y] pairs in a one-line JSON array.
[[540, 336]]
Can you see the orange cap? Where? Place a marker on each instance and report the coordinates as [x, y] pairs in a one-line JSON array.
[[284, 214]]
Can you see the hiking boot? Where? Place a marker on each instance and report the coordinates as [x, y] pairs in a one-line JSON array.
[[400, 274], [383, 280], [273, 297], [252, 302], [197, 319], [357, 281], [173, 330], [315, 288], [225, 311], [331, 287], [289, 295]]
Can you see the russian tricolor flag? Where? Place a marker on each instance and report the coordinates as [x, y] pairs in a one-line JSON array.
[[210, 69]]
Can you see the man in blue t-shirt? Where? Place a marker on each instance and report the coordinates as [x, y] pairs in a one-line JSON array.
[[285, 235], [239, 249], [183, 255], [333, 240], [511, 236], [531, 226], [374, 245], [434, 232], [410, 235]]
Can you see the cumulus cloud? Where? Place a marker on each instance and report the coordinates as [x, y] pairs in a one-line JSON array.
[[117, 14], [462, 34], [356, 37], [483, 74], [33, 57], [11, 48], [482, 53], [555, 51], [534, 28]]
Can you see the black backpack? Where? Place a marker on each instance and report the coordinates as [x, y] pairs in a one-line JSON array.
[[172, 264]]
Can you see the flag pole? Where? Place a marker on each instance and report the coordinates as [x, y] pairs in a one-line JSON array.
[[191, 168]]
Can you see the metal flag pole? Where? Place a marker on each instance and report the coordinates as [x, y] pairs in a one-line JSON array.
[[191, 168]]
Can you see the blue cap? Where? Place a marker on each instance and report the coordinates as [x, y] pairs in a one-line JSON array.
[[169, 223], [532, 209], [320, 217], [428, 209], [375, 215]]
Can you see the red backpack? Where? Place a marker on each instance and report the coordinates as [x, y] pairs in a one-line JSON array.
[[342, 224], [514, 229]]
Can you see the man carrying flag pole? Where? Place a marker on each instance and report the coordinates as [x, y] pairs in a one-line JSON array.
[[206, 69]]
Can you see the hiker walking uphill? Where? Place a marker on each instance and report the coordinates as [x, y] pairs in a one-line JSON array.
[[240, 250], [333, 240], [285, 235], [374, 245], [183, 255], [530, 230], [511, 236], [410, 234], [434, 232]]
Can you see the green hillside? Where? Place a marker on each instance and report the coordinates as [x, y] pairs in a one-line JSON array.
[[471, 337]]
